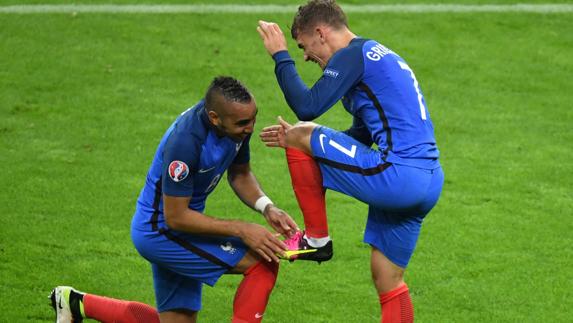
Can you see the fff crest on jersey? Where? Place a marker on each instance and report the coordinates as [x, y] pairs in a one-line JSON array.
[[178, 170]]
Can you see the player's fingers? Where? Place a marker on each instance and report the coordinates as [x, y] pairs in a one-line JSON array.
[[283, 123], [277, 29], [271, 252], [261, 33], [288, 231], [263, 254], [264, 32], [273, 143], [279, 229], [270, 248], [274, 127], [290, 224], [265, 26], [283, 227], [279, 235], [278, 245], [269, 133], [269, 27], [283, 224], [269, 139]]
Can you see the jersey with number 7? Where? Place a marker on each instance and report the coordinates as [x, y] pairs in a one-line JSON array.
[[380, 91]]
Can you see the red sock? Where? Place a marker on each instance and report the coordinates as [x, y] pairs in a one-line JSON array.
[[397, 306], [253, 293], [307, 185], [110, 310]]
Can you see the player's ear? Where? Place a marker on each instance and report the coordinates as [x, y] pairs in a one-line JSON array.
[[214, 117], [320, 31]]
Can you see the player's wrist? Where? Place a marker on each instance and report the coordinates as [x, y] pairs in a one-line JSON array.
[[281, 55], [262, 204], [241, 228]]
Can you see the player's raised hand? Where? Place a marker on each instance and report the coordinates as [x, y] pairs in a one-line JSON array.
[[280, 221], [272, 36], [262, 241], [275, 135]]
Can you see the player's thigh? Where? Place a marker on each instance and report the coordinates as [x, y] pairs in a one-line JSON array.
[[175, 293], [348, 166], [182, 263], [200, 257], [394, 230], [178, 316], [394, 234]]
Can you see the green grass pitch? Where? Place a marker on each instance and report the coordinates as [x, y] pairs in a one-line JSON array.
[[85, 99]]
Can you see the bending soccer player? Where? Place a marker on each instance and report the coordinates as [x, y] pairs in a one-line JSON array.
[[400, 180], [185, 247]]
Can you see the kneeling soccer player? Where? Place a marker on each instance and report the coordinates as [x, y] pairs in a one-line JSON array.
[[185, 247]]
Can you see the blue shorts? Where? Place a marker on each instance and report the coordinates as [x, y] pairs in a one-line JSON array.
[[182, 263], [398, 196]]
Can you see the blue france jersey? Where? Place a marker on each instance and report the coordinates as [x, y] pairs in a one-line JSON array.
[[380, 91], [189, 162]]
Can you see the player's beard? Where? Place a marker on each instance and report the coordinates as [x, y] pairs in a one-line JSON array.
[[222, 131]]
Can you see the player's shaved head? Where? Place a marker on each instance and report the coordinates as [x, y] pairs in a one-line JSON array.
[[225, 89], [317, 12], [231, 108]]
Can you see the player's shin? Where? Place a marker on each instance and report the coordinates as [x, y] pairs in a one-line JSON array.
[[397, 306], [306, 181], [106, 309], [253, 293]]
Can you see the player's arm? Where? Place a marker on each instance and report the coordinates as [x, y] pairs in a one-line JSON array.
[[340, 75], [310, 103], [180, 217], [343, 71], [247, 188]]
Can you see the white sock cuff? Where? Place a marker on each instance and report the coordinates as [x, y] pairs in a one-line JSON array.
[[317, 242]]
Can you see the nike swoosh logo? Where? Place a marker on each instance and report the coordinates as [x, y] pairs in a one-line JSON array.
[[321, 138], [258, 316], [206, 170], [60, 304]]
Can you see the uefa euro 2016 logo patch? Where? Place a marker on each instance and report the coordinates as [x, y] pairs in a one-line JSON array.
[[178, 170]]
